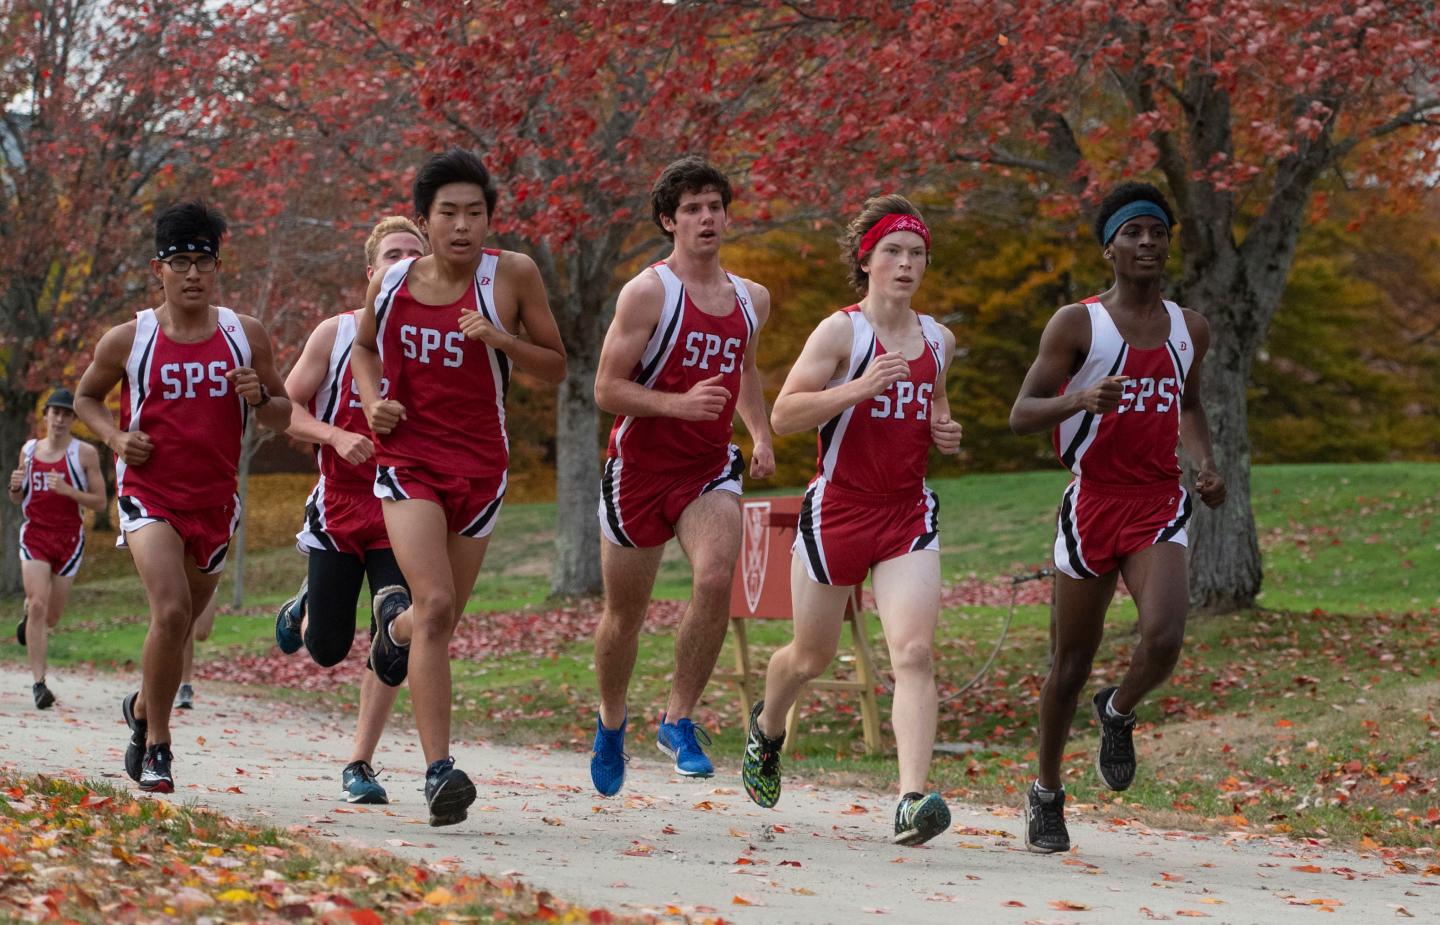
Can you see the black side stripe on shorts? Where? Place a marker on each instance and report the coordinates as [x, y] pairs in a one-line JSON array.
[[73, 563], [478, 525], [737, 466], [932, 516], [1067, 527], [130, 507], [1179, 523], [217, 560], [316, 525], [385, 475], [1084, 431], [612, 512], [807, 533]]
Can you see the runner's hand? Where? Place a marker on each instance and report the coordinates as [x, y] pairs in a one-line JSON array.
[[132, 446], [384, 415], [17, 479], [1104, 397], [475, 326], [762, 461], [1210, 486], [946, 434], [353, 448], [55, 482], [883, 372], [246, 383], [703, 402]]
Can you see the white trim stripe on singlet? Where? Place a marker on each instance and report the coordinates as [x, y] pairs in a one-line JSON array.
[[328, 399], [499, 360], [1107, 356]]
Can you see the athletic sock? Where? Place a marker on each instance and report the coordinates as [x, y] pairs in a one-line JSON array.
[[1113, 713]]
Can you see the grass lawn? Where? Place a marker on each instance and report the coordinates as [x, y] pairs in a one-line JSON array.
[[1315, 715]]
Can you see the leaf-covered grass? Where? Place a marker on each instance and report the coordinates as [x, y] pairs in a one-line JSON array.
[[84, 852], [1314, 717]]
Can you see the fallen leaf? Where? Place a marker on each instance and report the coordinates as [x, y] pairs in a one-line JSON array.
[[1065, 905]]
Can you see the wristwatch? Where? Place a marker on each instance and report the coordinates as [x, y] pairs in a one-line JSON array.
[[264, 397]]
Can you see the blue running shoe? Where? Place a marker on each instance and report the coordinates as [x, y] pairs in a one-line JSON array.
[[607, 764], [681, 740], [287, 621], [360, 784]]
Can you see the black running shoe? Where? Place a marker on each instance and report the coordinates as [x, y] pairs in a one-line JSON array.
[[448, 792], [919, 818], [389, 660], [135, 749], [20, 627], [1045, 831], [1116, 759], [44, 699], [155, 776], [761, 768], [288, 620]]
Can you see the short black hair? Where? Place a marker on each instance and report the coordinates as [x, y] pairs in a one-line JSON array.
[[1124, 194], [189, 220], [454, 166], [690, 174]]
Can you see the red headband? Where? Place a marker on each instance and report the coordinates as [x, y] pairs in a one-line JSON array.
[[895, 221]]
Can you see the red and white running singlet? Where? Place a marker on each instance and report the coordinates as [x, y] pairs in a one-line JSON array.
[[688, 347], [43, 508], [178, 395], [1134, 445], [337, 403], [453, 388], [882, 444]]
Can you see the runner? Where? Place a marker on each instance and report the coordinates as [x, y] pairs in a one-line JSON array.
[[439, 334], [1118, 378], [872, 379], [343, 536], [677, 363], [51, 484], [191, 373]]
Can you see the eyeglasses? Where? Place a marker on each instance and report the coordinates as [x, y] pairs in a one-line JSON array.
[[182, 264]]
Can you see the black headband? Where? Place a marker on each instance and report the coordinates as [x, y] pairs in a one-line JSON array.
[[187, 245]]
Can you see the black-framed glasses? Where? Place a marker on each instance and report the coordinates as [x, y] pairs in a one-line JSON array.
[[181, 263]]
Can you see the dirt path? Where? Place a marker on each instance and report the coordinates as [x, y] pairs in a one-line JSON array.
[[677, 847]]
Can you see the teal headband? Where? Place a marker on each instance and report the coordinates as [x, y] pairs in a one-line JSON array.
[[1133, 210]]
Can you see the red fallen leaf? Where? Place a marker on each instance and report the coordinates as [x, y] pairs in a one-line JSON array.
[[95, 801], [233, 789], [1013, 903], [1172, 878], [1308, 869], [669, 830], [743, 861], [545, 914], [1283, 724], [789, 863], [601, 917], [738, 900], [1065, 905], [16, 793], [855, 810], [782, 830], [365, 917]]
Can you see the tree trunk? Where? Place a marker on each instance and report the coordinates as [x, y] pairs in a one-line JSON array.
[[15, 421], [1225, 571], [576, 569]]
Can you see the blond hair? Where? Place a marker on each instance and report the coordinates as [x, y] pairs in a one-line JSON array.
[[389, 225]]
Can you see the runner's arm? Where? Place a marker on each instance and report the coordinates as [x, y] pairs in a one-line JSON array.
[[804, 402], [17, 480], [1194, 425], [543, 355], [105, 371], [382, 414], [305, 379], [944, 431], [751, 403], [1063, 346], [271, 404], [94, 499]]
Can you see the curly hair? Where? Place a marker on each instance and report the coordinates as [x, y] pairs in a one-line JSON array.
[[1122, 196], [690, 174]]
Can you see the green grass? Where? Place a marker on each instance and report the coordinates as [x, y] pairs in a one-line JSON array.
[[1324, 698]]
